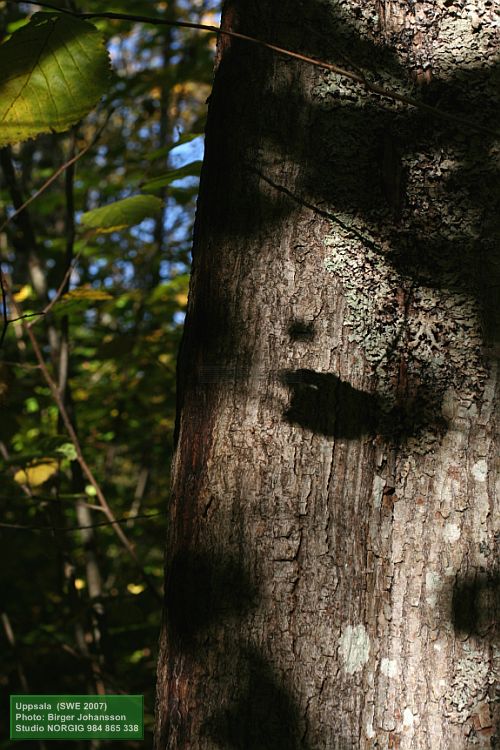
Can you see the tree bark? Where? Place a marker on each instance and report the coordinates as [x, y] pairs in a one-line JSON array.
[[331, 571]]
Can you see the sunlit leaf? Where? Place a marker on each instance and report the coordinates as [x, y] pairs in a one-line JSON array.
[[135, 588], [32, 405], [15, 25], [87, 293], [67, 450], [53, 71], [80, 394], [122, 214], [37, 473], [181, 299], [22, 294], [137, 656]]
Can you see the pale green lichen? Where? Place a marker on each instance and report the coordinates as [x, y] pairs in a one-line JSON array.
[[438, 329], [389, 667], [354, 648], [451, 533], [480, 470], [471, 680]]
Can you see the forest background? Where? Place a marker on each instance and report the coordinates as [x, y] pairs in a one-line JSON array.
[[80, 613]]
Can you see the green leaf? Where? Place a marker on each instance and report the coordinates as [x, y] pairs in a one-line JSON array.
[[193, 169], [53, 71], [122, 214]]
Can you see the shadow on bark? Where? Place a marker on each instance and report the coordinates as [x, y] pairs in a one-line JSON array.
[[475, 610], [324, 404], [301, 330], [202, 590], [476, 606], [263, 716]]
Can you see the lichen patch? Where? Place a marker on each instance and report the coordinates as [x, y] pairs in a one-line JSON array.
[[451, 532], [389, 667], [354, 648], [480, 470]]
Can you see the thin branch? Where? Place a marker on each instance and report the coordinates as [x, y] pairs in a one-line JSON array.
[[9, 634], [330, 67], [6, 320], [49, 182], [79, 528], [38, 500], [61, 288], [25, 316], [350, 229], [64, 356], [57, 642]]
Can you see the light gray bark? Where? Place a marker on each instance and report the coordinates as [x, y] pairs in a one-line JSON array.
[[331, 561]]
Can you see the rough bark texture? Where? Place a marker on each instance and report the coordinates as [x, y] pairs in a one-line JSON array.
[[332, 573]]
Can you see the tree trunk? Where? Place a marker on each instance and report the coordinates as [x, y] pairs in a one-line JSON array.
[[331, 568]]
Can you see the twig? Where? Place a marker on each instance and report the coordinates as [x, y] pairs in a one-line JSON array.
[[9, 634], [25, 316], [79, 528], [46, 309], [330, 67], [50, 180], [56, 296]]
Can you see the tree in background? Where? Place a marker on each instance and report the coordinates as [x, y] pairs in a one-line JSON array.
[[77, 613], [331, 560]]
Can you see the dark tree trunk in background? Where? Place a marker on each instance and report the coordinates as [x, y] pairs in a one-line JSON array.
[[331, 568]]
